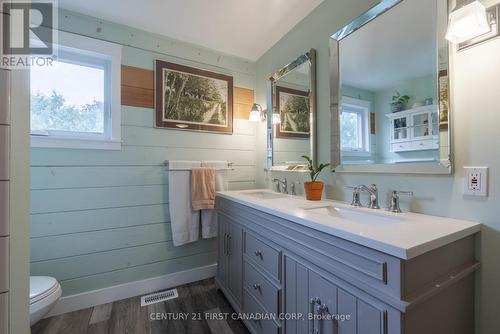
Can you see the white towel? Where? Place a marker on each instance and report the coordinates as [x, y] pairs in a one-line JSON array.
[[184, 221], [209, 217]]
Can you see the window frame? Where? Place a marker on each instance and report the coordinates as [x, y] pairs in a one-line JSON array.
[[80, 50], [365, 150]]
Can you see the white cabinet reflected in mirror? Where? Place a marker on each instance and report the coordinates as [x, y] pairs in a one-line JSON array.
[[291, 131], [390, 85]]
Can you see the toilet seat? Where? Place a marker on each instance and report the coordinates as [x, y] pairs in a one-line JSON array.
[[41, 287], [44, 294]]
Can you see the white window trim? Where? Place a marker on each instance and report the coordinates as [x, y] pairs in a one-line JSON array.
[[366, 105], [93, 48]]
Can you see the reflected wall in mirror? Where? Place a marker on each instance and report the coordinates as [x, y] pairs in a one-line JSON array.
[[389, 73], [291, 114]]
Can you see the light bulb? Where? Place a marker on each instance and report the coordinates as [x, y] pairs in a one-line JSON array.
[[468, 22], [254, 116]]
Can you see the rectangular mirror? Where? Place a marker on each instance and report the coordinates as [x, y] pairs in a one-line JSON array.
[[291, 110], [390, 90]]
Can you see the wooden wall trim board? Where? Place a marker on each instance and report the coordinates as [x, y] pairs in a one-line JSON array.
[[243, 102], [123, 291], [137, 90]]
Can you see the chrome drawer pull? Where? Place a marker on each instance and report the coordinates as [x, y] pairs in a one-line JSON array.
[[256, 286], [258, 253]]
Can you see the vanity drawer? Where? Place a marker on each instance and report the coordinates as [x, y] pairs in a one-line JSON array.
[[263, 255], [4, 264], [262, 326], [261, 288], [4, 313]]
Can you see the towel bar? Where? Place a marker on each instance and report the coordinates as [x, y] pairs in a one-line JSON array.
[[166, 163]]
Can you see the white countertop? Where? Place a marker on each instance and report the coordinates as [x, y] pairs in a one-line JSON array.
[[411, 235]]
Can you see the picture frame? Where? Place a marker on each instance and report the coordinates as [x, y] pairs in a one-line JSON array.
[[189, 98], [293, 106]]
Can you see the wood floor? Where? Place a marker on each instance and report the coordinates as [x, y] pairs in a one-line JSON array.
[[128, 317]]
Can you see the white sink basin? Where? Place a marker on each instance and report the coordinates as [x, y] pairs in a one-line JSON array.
[[356, 215], [260, 194]]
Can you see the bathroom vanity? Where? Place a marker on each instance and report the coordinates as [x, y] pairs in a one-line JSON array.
[[295, 266]]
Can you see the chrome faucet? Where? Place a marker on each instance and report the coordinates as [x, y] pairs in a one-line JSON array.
[[355, 196], [373, 191], [395, 200], [282, 185]]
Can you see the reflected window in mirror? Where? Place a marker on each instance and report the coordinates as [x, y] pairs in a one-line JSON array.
[[355, 129]]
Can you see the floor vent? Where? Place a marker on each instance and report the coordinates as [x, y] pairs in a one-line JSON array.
[[159, 297]]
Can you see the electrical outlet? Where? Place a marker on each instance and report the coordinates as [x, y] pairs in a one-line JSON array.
[[476, 181]]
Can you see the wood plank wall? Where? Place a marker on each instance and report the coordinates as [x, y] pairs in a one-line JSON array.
[[138, 91], [101, 218]]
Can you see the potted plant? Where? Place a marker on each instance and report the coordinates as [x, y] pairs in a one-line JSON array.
[[399, 102], [314, 189]]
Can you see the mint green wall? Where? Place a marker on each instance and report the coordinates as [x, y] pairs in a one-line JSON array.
[[476, 117], [100, 218]]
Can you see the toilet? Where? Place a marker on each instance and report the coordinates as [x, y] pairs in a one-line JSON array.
[[44, 293]]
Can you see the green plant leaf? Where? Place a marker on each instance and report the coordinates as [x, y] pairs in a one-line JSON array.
[[314, 172]]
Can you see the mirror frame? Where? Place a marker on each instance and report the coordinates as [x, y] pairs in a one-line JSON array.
[[307, 57], [444, 166]]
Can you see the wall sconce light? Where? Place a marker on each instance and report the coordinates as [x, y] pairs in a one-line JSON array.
[[257, 114], [471, 24]]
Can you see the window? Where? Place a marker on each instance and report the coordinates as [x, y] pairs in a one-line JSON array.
[[355, 126], [75, 103]]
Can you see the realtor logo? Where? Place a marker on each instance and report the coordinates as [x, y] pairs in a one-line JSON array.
[[28, 33]]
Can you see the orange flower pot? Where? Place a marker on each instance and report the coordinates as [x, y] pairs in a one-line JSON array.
[[314, 190]]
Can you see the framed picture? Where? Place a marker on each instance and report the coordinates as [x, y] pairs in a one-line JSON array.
[[188, 98], [294, 109]]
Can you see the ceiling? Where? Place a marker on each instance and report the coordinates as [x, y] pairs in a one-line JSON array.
[[242, 28], [397, 46]]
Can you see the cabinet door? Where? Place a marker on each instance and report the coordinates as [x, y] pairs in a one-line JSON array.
[[323, 297], [358, 316], [222, 258], [370, 319], [401, 128], [421, 125], [309, 294], [235, 251], [347, 306], [325, 307]]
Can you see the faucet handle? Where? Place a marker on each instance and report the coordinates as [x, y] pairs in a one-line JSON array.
[[277, 186], [293, 188], [355, 195], [395, 200]]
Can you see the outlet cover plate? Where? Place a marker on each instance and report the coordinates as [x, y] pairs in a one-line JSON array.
[[476, 181]]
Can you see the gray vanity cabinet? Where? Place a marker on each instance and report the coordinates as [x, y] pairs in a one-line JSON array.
[[229, 270], [313, 282]]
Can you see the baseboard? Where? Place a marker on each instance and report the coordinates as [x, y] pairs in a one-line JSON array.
[[123, 291]]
